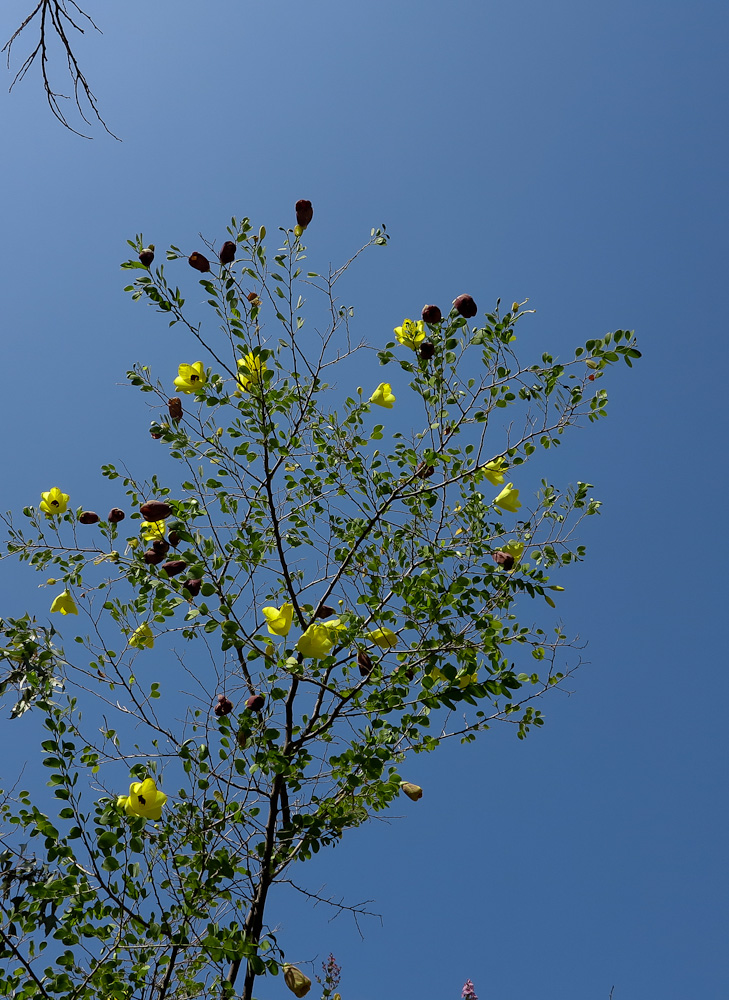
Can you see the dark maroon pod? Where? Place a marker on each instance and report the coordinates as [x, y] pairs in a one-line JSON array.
[[153, 558], [224, 707], [431, 315], [426, 350], [115, 515], [174, 566], [424, 471], [504, 559], [88, 517], [192, 587], [174, 405], [256, 702], [227, 252], [465, 305], [364, 663], [304, 212], [198, 261], [154, 434], [161, 546], [174, 539], [146, 256], [155, 510], [325, 611]]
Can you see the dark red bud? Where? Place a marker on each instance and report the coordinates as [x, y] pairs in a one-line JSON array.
[[504, 559], [426, 350], [198, 261], [174, 539], [227, 252], [146, 256], [364, 663], [325, 611], [253, 297], [224, 707], [174, 405], [304, 212], [161, 546], [174, 567], [88, 517], [192, 587], [155, 510], [424, 471], [116, 515], [465, 305], [153, 558], [153, 433], [591, 378], [256, 702], [431, 315]]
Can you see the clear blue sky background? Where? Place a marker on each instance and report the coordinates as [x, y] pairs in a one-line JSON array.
[[575, 152]]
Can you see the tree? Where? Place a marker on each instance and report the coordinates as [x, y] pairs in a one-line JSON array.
[[339, 590]]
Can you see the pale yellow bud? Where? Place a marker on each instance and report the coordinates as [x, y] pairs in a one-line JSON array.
[[297, 982], [412, 791]]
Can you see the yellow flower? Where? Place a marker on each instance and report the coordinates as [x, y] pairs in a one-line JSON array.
[[253, 368], [279, 620], [513, 548], [410, 334], [385, 638], [65, 604], [494, 471], [144, 799], [191, 377], [142, 638], [54, 502], [508, 499], [318, 640], [463, 677], [383, 395], [297, 982], [152, 530]]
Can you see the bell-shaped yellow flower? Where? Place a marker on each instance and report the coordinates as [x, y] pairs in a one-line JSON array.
[[152, 530], [144, 799], [142, 638], [279, 620], [410, 334], [385, 638], [383, 395], [65, 604], [252, 369], [54, 502], [318, 640], [494, 471], [508, 499], [191, 377]]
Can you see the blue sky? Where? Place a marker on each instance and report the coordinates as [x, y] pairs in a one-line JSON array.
[[572, 152]]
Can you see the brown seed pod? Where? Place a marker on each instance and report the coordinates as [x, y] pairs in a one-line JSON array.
[[325, 611], [153, 558], [412, 791], [155, 510], [174, 539], [504, 559], [88, 517], [161, 546], [256, 702], [174, 405], [304, 212], [116, 515], [198, 261], [174, 566], [426, 350], [431, 315], [147, 255], [227, 252], [364, 663], [192, 587], [465, 305], [224, 707], [424, 471]]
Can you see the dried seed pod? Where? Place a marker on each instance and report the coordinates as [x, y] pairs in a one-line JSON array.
[[198, 261], [504, 559], [174, 566], [174, 539], [426, 350], [224, 707], [155, 510], [325, 611], [465, 305], [153, 558], [88, 517], [147, 255], [364, 663], [431, 315], [412, 791], [161, 546], [174, 405], [424, 471], [256, 702], [297, 982], [227, 252], [192, 587], [304, 212], [116, 515], [253, 298]]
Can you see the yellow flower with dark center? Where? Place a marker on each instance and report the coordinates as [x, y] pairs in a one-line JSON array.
[[144, 799], [252, 369], [65, 604], [279, 620], [318, 640], [383, 395], [142, 638], [152, 530], [385, 638], [508, 499], [54, 502], [494, 471], [191, 377], [410, 334]]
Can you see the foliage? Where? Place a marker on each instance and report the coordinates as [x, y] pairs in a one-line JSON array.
[[317, 564]]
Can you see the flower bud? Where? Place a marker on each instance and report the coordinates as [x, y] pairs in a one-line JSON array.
[[147, 255], [297, 982], [325, 611], [515, 307], [227, 252], [115, 515], [155, 510], [224, 707], [174, 567], [174, 539], [304, 215], [174, 405], [160, 545], [504, 559], [192, 587], [153, 558], [88, 517], [256, 702], [412, 791], [154, 433], [465, 305], [199, 262], [364, 663], [431, 315], [426, 350], [298, 232]]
